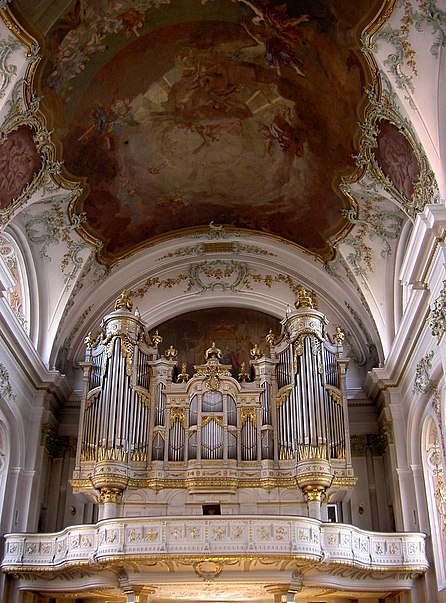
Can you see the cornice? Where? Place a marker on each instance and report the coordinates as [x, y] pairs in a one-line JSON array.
[[428, 231]]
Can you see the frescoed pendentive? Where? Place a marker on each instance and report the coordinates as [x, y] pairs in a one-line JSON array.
[[20, 162], [396, 158], [181, 114]]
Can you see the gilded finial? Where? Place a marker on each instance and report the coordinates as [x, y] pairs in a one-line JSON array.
[[183, 376], [339, 335], [243, 376], [270, 338], [256, 352], [171, 353], [213, 353], [124, 302], [156, 339], [89, 341], [304, 298]]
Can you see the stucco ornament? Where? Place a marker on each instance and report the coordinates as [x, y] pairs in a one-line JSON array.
[[5, 385], [437, 322], [422, 374], [7, 71]]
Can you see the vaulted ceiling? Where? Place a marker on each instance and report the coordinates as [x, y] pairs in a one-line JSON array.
[[216, 153]]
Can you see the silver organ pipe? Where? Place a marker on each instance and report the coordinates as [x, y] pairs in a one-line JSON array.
[[176, 440], [192, 445], [249, 440], [231, 411], [212, 440], [266, 441], [160, 404]]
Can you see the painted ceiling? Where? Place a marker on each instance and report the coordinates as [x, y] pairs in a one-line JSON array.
[[175, 115]]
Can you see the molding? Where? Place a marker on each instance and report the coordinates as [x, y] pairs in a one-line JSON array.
[[428, 231]]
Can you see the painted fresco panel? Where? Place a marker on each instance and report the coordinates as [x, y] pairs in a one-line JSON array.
[[234, 331]]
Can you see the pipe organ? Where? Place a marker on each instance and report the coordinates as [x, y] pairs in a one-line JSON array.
[[142, 427]]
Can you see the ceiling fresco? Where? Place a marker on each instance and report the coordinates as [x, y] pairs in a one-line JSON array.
[[177, 115]]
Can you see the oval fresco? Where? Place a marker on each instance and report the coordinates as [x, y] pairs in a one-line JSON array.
[[182, 114]]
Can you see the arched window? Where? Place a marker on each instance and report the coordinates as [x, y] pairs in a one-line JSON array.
[[434, 471], [18, 297], [4, 459]]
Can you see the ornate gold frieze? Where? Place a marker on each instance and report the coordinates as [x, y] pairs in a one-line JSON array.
[[178, 414]]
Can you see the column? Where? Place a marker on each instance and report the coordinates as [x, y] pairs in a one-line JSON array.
[[110, 499]]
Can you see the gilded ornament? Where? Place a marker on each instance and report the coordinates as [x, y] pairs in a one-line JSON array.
[[270, 338], [178, 414], [124, 302], [171, 353], [256, 352], [304, 298], [183, 377], [89, 341], [248, 413], [156, 339], [339, 335], [243, 376], [213, 354]]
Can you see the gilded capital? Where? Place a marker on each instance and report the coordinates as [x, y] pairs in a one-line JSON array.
[[314, 493], [110, 495]]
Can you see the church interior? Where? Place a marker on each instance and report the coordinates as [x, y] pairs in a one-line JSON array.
[[222, 301]]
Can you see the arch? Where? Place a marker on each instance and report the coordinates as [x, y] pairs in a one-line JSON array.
[[19, 296], [432, 452], [5, 456]]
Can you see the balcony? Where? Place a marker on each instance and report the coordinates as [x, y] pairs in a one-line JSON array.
[[292, 554]]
